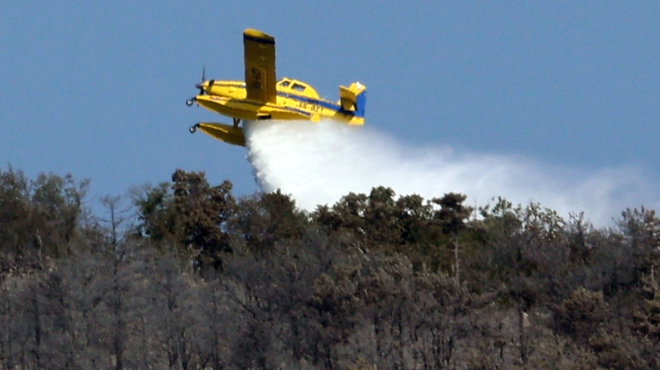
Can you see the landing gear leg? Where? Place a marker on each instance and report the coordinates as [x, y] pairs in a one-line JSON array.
[[236, 122]]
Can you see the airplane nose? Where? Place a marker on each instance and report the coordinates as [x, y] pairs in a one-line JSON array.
[[200, 86]]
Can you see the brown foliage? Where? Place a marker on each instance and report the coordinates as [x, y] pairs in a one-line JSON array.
[[370, 282]]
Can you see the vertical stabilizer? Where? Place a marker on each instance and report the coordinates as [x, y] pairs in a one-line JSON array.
[[353, 98]]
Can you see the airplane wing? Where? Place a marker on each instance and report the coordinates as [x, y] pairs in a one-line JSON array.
[[260, 77]]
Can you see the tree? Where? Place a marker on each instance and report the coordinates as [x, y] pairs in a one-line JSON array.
[[38, 219], [580, 315], [452, 216], [193, 217], [641, 228], [259, 223], [202, 210], [381, 222], [156, 215]]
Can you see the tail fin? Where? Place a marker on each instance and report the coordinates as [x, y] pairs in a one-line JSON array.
[[353, 98]]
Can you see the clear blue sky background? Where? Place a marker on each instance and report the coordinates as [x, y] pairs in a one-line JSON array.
[[97, 89]]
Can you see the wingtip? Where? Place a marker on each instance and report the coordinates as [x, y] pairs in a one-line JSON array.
[[256, 34]]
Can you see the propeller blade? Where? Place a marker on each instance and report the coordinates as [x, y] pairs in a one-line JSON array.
[[200, 85]]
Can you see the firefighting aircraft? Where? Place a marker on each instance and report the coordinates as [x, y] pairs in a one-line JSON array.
[[262, 97]]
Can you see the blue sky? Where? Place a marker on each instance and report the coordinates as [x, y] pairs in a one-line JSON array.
[[97, 89]]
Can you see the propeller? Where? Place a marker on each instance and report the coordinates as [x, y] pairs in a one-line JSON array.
[[199, 85]]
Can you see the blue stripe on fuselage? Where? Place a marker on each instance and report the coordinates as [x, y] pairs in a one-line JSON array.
[[299, 111], [323, 103]]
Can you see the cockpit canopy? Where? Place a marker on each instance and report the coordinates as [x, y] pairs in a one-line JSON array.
[[296, 87]]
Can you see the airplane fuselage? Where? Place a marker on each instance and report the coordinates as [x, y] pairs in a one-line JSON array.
[[296, 100]]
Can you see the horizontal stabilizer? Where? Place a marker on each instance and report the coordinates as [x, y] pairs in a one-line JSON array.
[[227, 133], [352, 98]]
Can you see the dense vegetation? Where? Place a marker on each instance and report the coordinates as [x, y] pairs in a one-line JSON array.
[[189, 277]]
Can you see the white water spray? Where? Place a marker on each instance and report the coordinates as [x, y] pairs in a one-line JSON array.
[[319, 163]]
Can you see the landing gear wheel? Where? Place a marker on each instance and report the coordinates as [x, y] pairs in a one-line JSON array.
[[189, 102], [193, 128]]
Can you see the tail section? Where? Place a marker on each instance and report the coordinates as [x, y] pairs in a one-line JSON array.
[[353, 98]]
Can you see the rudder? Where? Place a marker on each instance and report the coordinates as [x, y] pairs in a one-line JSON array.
[[353, 98]]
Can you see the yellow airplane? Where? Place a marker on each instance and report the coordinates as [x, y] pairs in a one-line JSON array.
[[262, 97]]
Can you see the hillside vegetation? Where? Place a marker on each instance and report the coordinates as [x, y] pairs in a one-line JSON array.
[[190, 277]]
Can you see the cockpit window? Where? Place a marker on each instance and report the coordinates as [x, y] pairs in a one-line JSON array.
[[298, 87], [285, 83]]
